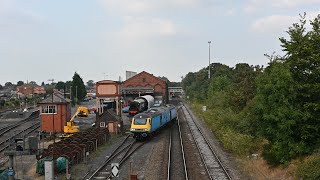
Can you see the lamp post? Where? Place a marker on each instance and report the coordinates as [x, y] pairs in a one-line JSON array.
[[209, 42]]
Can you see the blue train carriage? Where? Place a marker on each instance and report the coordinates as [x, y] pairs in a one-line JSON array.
[[144, 124]]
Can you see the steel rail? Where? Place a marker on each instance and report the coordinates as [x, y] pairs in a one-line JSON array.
[[127, 154], [32, 127], [16, 124], [209, 145], [182, 151], [113, 154], [169, 155]]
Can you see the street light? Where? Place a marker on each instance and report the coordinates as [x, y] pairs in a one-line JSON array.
[[209, 42]]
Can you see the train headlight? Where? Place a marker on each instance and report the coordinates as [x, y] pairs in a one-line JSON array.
[[132, 129], [145, 129]]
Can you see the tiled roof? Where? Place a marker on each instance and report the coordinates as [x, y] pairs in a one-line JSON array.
[[57, 98]]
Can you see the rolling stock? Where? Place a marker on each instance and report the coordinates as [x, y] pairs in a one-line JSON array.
[[145, 124], [141, 104]]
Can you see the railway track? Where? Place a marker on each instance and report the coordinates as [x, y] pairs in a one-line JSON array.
[[213, 165], [26, 131], [121, 153], [177, 168], [4, 130]]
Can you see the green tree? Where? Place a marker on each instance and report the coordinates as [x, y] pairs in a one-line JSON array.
[[20, 83], [42, 84], [33, 83], [303, 58], [9, 85], [60, 85], [90, 83], [278, 115], [243, 87], [78, 88]]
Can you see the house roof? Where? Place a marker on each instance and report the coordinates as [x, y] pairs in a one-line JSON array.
[[57, 98], [144, 72]]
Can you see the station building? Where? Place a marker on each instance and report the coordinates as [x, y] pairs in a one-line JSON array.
[[145, 84], [54, 112]]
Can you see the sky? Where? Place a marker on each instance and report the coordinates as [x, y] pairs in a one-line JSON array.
[[101, 39]]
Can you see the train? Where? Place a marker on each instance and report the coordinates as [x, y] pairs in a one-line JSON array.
[[140, 104], [145, 124]]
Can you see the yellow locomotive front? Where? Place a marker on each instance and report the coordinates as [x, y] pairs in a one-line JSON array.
[[141, 125]]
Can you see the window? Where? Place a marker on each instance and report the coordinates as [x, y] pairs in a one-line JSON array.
[[140, 121], [49, 109], [102, 124], [143, 79]]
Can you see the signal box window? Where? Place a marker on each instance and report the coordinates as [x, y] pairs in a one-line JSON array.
[[49, 109]]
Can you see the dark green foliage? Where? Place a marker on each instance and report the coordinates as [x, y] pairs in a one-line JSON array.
[[60, 85], [20, 83], [243, 87], [33, 83], [91, 83], [280, 104], [78, 88]]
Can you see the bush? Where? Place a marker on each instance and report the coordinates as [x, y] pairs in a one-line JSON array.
[[310, 168], [224, 124]]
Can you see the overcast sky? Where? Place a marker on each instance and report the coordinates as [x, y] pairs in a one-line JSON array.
[[42, 39]]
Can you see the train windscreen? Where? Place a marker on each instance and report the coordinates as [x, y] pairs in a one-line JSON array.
[[134, 105], [140, 121]]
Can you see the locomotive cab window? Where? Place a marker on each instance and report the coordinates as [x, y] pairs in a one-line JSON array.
[[140, 121]]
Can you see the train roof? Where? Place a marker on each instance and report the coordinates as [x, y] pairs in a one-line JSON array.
[[153, 111]]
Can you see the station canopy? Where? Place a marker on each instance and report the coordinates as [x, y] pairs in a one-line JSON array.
[[137, 90]]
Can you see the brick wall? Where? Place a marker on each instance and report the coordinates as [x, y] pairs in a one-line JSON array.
[[145, 79]]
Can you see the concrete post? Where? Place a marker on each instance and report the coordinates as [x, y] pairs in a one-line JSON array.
[[11, 177]]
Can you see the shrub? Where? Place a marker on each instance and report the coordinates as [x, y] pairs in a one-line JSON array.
[[310, 168]]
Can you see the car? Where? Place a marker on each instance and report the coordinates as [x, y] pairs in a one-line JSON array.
[[125, 109]]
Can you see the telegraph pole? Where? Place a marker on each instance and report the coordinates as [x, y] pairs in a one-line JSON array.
[[209, 42], [53, 111]]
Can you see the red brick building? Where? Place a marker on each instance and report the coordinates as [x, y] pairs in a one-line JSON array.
[[39, 90], [27, 90], [145, 83], [54, 114]]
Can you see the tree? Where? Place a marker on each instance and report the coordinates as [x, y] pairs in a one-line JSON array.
[[60, 85], [20, 83], [42, 84], [33, 83], [8, 85], [288, 95], [278, 115], [78, 88], [1, 87], [90, 83], [243, 86]]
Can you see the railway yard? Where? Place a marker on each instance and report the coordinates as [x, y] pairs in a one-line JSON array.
[[179, 151], [184, 149]]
